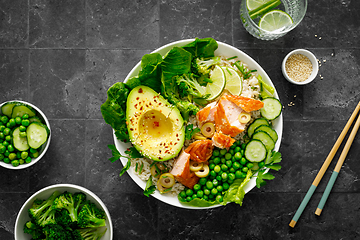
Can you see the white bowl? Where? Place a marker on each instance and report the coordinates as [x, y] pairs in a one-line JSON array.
[[45, 193], [225, 50], [42, 149], [314, 62]]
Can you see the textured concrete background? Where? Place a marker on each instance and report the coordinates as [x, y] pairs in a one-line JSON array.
[[63, 56]]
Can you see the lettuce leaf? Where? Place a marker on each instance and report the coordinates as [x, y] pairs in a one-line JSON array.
[[236, 191], [114, 110], [202, 48]]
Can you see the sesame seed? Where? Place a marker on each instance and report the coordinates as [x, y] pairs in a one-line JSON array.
[[298, 67]]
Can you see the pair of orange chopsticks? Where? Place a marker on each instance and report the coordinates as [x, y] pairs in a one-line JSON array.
[[326, 165]]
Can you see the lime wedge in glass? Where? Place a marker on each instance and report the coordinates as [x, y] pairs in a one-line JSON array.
[[275, 20], [218, 82], [262, 9], [253, 4]]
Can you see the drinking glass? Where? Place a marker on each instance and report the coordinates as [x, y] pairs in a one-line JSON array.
[[295, 8]]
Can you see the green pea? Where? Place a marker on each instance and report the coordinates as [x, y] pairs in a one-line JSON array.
[[12, 122], [194, 196], [224, 167], [231, 151], [237, 149], [2, 127], [2, 148], [206, 197], [216, 160], [209, 185], [228, 163], [249, 165], [7, 131], [245, 169], [25, 116], [213, 173], [188, 199], [8, 138], [28, 160], [8, 125], [22, 128], [5, 143], [261, 164], [11, 148], [25, 122], [225, 186], [1, 156], [232, 170], [214, 191], [238, 156], [223, 152], [236, 165], [219, 188], [4, 119], [230, 181], [215, 182], [189, 192], [6, 160], [182, 193], [224, 175], [15, 163], [231, 176], [206, 191], [223, 160], [18, 120], [18, 155], [219, 198], [243, 146], [211, 166], [211, 196], [217, 168], [228, 156], [7, 153], [12, 156], [22, 134], [197, 187], [2, 136], [202, 181], [33, 150], [200, 193], [243, 161], [216, 153], [21, 161], [238, 174]]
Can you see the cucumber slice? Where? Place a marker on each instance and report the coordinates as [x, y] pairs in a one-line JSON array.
[[272, 133], [20, 143], [7, 108], [258, 122], [255, 151], [272, 108], [265, 139], [20, 109], [37, 134]]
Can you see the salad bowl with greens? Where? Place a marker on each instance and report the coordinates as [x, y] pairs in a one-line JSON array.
[[157, 71]]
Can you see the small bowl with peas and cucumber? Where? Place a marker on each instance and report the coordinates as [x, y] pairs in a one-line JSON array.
[[24, 134]]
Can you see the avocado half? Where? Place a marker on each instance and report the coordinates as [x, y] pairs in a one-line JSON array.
[[155, 126]]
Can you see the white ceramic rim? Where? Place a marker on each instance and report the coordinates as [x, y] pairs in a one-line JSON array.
[[43, 148], [19, 223], [225, 50], [314, 63]]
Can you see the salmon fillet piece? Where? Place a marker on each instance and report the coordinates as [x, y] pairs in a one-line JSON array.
[[206, 114], [226, 118], [221, 140], [181, 171], [247, 104], [200, 150]]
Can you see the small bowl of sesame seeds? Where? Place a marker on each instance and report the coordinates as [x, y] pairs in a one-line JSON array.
[[300, 67]]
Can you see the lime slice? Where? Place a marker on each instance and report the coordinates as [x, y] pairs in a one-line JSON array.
[[233, 81], [253, 4], [275, 20], [264, 8], [217, 76]]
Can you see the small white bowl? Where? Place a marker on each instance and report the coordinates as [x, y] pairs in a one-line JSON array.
[[45, 193], [314, 62], [42, 149]]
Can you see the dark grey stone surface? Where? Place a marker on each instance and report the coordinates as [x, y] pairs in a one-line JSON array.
[[63, 56]]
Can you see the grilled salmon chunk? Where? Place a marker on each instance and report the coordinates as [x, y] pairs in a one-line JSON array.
[[181, 171]]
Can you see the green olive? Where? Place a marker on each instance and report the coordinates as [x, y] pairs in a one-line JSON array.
[[208, 129], [167, 180], [160, 187], [156, 169], [244, 117], [195, 166], [203, 172]]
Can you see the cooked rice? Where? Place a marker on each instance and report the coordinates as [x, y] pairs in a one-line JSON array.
[[251, 89]]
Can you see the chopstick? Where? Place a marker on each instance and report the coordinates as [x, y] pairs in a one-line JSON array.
[[323, 168], [338, 167]]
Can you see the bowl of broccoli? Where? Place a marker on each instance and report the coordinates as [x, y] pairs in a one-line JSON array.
[[63, 211], [24, 134]]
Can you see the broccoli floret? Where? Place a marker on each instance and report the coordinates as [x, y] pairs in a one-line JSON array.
[[188, 85], [66, 201], [34, 230], [91, 216], [79, 199], [62, 217], [56, 232], [89, 233], [41, 211], [203, 66]]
